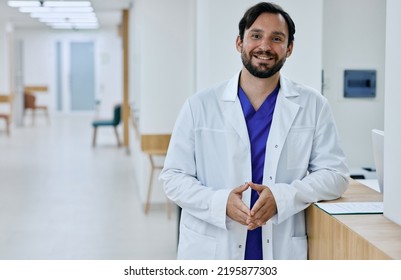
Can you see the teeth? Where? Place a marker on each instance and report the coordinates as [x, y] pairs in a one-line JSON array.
[[263, 57]]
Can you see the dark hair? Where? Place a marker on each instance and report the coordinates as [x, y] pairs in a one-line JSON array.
[[265, 7]]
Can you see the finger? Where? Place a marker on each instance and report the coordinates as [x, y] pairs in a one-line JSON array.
[[257, 211], [252, 226], [266, 199], [238, 201], [261, 216], [241, 215], [256, 187], [236, 208], [242, 218], [241, 189], [244, 209], [265, 213], [259, 204]]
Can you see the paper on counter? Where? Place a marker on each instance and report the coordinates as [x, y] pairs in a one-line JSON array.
[[343, 208]]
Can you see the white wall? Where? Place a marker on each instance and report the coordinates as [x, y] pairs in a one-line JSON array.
[[354, 38], [392, 139], [305, 63], [5, 44], [217, 28], [3, 66], [165, 42], [6, 66], [40, 64]]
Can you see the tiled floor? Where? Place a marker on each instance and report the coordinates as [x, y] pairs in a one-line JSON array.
[[62, 199]]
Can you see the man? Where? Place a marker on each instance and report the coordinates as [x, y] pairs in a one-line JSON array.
[[248, 156]]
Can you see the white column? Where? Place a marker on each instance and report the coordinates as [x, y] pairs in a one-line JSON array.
[[392, 115], [5, 30]]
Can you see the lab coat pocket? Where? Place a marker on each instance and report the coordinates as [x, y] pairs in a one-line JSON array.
[[299, 247], [194, 245], [299, 147]]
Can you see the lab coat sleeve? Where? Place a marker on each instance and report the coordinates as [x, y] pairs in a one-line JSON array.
[[327, 176], [180, 179]]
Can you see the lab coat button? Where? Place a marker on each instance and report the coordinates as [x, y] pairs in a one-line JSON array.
[[240, 246], [271, 178], [276, 146]]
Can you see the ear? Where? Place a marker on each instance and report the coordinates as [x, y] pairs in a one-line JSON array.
[[290, 48], [238, 44]]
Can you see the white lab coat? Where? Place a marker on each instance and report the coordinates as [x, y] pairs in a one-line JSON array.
[[209, 155]]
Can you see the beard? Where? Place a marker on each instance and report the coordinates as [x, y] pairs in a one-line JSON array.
[[262, 71]]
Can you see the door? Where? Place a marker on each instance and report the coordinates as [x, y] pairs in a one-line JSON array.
[[82, 76]]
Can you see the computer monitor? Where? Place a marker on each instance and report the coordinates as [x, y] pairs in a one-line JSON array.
[[378, 155]]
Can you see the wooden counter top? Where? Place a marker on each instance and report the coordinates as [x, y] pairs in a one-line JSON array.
[[363, 236]]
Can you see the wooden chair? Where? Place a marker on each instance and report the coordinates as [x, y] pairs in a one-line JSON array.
[[113, 123], [155, 145], [7, 115], [30, 104]]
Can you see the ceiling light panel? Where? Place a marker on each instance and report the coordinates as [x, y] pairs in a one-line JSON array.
[[62, 11], [63, 15], [67, 4], [17, 4], [55, 9]]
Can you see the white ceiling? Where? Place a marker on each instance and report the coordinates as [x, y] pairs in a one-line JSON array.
[[107, 11]]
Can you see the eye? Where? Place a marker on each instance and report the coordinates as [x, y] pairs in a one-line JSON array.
[[277, 39], [256, 36]]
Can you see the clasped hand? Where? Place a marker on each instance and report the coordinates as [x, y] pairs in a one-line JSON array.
[[263, 209]]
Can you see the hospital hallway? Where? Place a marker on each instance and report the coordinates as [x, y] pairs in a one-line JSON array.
[[61, 199]]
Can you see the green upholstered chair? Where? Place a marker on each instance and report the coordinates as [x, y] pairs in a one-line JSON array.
[[111, 123]]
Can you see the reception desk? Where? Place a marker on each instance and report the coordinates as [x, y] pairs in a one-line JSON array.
[[356, 236]]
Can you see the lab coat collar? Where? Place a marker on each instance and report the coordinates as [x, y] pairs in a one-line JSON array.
[[284, 115], [231, 91], [231, 108], [287, 87]]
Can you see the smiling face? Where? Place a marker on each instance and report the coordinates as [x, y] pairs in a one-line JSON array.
[[265, 48]]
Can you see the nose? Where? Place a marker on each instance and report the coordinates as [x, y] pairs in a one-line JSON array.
[[265, 44]]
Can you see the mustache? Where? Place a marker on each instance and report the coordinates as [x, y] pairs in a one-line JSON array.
[[266, 53]]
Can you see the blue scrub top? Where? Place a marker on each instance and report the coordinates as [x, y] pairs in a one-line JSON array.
[[258, 123]]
